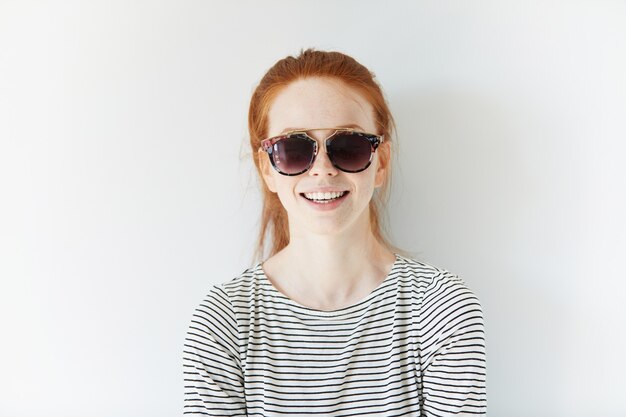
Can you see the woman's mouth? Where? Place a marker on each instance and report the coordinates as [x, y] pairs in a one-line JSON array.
[[325, 197]]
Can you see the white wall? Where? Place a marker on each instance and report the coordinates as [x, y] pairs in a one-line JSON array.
[[125, 191]]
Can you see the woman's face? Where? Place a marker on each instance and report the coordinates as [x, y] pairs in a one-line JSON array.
[[313, 103]]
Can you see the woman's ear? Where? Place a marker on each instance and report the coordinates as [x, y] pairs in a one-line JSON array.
[[266, 169], [384, 156]]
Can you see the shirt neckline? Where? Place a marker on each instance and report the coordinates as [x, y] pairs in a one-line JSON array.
[[260, 272]]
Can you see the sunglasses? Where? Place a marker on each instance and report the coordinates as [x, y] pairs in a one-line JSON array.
[[349, 150]]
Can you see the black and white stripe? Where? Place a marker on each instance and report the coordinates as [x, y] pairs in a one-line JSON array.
[[414, 347]]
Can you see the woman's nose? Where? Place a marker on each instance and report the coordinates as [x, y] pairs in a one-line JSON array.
[[322, 165]]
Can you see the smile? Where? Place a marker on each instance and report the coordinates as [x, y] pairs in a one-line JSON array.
[[324, 198]]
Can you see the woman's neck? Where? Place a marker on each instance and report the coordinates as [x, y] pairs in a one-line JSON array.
[[326, 272]]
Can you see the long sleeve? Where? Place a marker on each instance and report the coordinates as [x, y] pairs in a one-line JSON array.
[[452, 343], [213, 376]]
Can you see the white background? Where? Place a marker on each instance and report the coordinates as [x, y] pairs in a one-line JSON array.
[[126, 188]]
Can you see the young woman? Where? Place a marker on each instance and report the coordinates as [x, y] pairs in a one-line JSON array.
[[335, 322]]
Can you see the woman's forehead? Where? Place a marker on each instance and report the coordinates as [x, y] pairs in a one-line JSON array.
[[319, 102]]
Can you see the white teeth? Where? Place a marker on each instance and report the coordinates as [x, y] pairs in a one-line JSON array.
[[324, 196]]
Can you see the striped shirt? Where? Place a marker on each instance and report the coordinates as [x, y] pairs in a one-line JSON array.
[[414, 347]]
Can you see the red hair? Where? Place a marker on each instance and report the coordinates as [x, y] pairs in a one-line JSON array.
[[312, 63]]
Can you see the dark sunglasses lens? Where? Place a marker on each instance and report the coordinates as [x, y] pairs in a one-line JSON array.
[[293, 155], [350, 152]]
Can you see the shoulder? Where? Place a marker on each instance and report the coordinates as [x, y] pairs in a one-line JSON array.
[[421, 272], [220, 316], [228, 303], [226, 295], [430, 282]]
